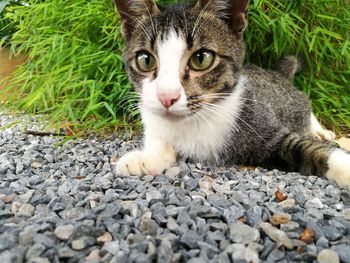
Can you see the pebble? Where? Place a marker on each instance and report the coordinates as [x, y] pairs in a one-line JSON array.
[[240, 253], [63, 202], [277, 235], [327, 256], [314, 203], [106, 237], [242, 233], [288, 203], [26, 210], [172, 172], [83, 242], [64, 232]]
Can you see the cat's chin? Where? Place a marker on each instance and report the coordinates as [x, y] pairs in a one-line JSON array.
[[172, 115]]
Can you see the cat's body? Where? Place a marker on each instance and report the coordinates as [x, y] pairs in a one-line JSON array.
[[199, 101]]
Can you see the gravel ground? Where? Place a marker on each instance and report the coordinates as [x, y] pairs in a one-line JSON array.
[[65, 203]]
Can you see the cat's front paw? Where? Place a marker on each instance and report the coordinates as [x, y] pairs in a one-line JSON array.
[[339, 167], [324, 135], [142, 162]]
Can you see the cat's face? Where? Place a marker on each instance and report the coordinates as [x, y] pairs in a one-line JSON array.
[[183, 58]]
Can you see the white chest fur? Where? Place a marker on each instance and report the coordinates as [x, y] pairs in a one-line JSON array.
[[201, 137]]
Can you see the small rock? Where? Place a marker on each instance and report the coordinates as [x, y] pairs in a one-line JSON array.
[[26, 210], [64, 232], [106, 237], [206, 183], [277, 235], [289, 227], [288, 203], [315, 203], [36, 165], [83, 242], [240, 253], [172, 172], [38, 260], [111, 247], [327, 256], [154, 196], [232, 213], [343, 252], [242, 233], [94, 255], [148, 226]]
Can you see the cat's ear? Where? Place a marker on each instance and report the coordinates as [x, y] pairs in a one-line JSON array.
[[232, 11], [130, 12]]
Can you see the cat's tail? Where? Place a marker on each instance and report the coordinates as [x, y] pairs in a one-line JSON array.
[[312, 157], [289, 65]]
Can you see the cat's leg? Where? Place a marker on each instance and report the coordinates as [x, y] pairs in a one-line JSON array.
[[313, 157], [319, 132], [153, 159]]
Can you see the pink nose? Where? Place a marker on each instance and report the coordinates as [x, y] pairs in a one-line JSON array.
[[168, 99]]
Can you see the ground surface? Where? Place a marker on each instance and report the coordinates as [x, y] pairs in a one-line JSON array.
[[65, 203]]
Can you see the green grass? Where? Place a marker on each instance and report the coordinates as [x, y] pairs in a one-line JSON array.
[[76, 73]]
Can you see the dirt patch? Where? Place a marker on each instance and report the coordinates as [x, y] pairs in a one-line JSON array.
[[8, 65]]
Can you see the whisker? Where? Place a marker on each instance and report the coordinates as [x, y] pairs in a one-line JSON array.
[[150, 17], [199, 18], [139, 23], [222, 113], [237, 116]]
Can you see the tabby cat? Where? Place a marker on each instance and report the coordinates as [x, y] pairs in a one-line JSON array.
[[198, 100]]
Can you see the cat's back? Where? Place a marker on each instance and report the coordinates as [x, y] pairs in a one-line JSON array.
[[271, 94]]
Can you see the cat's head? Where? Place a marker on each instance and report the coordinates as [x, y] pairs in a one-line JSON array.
[[183, 57]]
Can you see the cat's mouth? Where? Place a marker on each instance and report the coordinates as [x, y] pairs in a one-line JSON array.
[[173, 115]]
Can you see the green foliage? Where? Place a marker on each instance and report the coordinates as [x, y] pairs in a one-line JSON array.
[[6, 27], [76, 71], [319, 32]]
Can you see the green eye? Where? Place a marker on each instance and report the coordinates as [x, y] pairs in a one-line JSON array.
[[145, 61], [202, 60]]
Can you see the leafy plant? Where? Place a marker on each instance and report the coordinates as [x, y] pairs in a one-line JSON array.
[[6, 28], [75, 71]]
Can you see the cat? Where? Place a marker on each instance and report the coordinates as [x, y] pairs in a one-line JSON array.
[[198, 100]]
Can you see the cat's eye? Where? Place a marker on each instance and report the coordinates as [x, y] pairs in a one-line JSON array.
[[201, 60], [145, 62]]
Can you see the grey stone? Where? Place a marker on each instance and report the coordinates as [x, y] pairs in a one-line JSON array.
[[39, 260], [112, 247], [290, 226], [242, 233], [322, 242], [26, 210], [154, 196], [190, 239], [172, 172], [343, 252], [83, 242], [277, 235], [240, 253], [148, 226], [64, 232], [35, 251], [233, 213], [165, 252], [254, 215], [314, 203], [275, 255]]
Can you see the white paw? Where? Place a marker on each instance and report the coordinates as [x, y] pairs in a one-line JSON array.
[[142, 162], [324, 135], [319, 132], [339, 167]]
